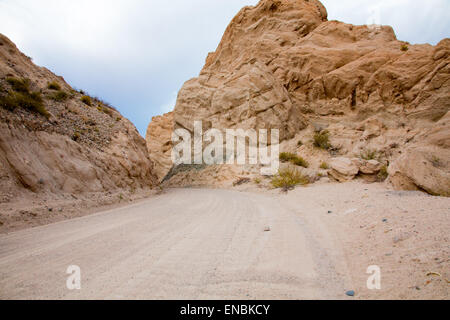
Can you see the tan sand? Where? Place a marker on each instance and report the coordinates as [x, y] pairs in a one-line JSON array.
[[215, 244]]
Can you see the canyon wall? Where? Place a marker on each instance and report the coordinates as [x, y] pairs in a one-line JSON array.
[[55, 140], [281, 64]]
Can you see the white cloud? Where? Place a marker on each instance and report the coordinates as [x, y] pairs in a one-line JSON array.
[[416, 21]]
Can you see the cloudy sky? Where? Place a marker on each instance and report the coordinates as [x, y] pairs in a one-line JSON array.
[[136, 54]]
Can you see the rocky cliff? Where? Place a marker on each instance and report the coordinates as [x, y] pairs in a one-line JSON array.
[[159, 143], [55, 140], [282, 64]]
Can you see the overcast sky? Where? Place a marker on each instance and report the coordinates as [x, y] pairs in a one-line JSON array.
[[136, 54]]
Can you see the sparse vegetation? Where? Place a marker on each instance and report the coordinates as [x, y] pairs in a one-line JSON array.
[[21, 96], [59, 96], [54, 86], [86, 100], [8, 102], [369, 154], [383, 174], [322, 140], [436, 162], [19, 85], [294, 159], [404, 47], [287, 156], [288, 178], [299, 161], [257, 181], [324, 166], [299, 143], [106, 110], [159, 190], [76, 136]]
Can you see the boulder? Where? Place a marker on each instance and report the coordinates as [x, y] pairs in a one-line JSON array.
[[425, 165], [343, 169], [370, 166]]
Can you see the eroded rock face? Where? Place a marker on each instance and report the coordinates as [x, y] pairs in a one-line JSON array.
[[282, 64], [67, 147], [159, 143], [238, 88], [425, 164], [370, 167]]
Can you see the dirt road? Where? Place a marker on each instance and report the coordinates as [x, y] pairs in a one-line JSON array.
[[185, 244]]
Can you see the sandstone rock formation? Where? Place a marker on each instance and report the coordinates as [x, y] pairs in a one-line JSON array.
[[159, 143], [425, 165], [344, 169], [52, 143], [282, 64]]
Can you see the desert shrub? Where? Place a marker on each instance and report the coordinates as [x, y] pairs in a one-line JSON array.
[[29, 100], [369, 154], [21, 96], [32, 101], [299, 161], [294, 159], [108, 111], [383, 174], [59, 96], [288, 178], [257, 180], [9, 101], [324, 166], [287, 156], [19, 85], [86, 100], [404, 47], [322, 140], [76, 136], [299, 143], [54, 86]]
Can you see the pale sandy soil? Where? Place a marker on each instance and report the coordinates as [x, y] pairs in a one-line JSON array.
[[214, 244], [406, 234], [31, 210]]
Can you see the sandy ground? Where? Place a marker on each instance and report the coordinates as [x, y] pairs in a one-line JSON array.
[[216, 244], [406, 234], [33, 210]]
